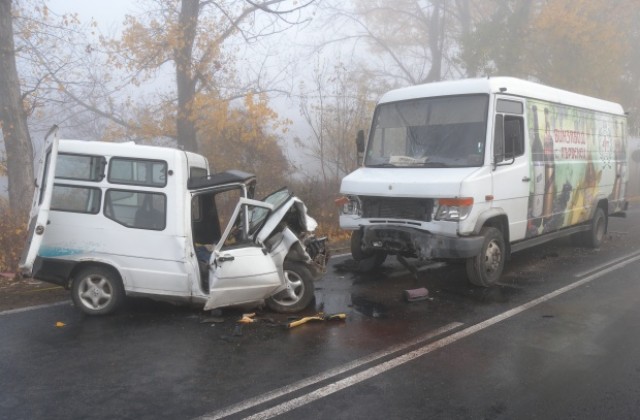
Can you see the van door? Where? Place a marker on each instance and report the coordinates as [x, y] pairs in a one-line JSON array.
[[512, 178], [241, 270], [39, 216]]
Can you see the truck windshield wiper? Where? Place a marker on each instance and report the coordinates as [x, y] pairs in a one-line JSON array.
[[435, 165]]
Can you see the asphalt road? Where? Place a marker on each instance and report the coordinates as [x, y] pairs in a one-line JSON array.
[[555, 340]]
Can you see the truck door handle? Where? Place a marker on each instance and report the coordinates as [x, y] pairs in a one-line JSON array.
[[226, 258], [526, 179]]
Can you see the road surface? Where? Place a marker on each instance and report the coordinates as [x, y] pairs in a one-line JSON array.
[[555, 340]]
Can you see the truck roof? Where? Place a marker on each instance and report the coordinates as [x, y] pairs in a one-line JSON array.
[[505, 86]]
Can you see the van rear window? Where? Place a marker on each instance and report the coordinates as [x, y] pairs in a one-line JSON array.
[[136, 209], [80, 167], [76, 199], [143, 172]]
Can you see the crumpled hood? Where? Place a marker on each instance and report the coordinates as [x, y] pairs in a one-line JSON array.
[[406, 182]]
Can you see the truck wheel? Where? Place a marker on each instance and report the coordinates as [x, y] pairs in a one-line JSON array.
[[97, 290], [485, 268], [595, 236], [366, 261], [299, 291]]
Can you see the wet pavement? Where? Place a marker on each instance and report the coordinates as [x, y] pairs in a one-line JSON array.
[[453, 355]]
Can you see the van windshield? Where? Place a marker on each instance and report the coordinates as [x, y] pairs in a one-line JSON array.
[[429, 132]]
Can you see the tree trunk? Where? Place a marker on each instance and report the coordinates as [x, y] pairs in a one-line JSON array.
[[186, 80], [14, 120]]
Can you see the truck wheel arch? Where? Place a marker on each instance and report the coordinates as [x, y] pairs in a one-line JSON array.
[[496, 218]]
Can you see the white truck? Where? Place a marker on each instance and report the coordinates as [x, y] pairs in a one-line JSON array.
[[477, 169], [116, 219]]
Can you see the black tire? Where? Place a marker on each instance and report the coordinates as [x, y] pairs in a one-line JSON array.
[[366, 261], [97, 290], [485, 269], [594, 237], [299, 292]]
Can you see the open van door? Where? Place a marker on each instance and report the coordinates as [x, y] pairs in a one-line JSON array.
[[242, 271], [39, 216]]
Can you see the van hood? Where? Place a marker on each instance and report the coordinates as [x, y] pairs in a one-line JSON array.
[[406, 182]]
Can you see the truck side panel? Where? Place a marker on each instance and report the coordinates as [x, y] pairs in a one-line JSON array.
[[582, 159]]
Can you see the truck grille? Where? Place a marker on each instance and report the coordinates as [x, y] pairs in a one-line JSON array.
[[397, 208]]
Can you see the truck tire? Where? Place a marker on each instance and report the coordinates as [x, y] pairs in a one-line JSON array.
[[299, 292], [97, 290], [485, 268], [594, 237], [365, 261]]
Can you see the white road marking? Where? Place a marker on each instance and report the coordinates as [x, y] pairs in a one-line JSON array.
[[593, 270], [339, 256], [33, 308], [296, 386], [400, 360]]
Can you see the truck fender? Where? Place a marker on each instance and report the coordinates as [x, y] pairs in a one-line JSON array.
[[484, 216]]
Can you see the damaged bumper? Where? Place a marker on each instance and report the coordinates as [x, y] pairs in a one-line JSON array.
[[417, 243]]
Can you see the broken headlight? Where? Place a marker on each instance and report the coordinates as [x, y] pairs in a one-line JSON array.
[[349, 205]]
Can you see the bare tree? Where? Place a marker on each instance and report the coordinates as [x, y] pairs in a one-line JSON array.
[[335, 105], [13, 119], [408, 41]]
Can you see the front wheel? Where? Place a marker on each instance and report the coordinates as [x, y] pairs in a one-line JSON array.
[[299, 289], [485, 268], [97, 290]]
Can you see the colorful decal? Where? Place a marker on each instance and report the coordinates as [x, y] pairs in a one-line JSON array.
[[577, 157]]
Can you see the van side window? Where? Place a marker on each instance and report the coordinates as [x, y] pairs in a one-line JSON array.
[[136, 209], [513, 136], [80, 167], [143, 172], [76, 199]]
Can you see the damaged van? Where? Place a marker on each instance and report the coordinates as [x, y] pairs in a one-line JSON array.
[[111, 220], [474, 170]]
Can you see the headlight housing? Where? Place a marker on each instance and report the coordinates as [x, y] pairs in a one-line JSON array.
[[349, 205], [453, 209]]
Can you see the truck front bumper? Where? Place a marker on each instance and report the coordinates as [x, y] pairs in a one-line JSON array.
[[418, 243]]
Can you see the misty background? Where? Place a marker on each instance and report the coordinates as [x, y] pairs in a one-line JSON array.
[[281, 87]]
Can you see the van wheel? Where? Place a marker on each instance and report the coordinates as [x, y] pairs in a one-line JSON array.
[[366, 260], [97, 290], [485, 269], [299, 291], [594, 237]]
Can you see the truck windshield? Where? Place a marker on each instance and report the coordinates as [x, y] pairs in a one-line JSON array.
[[429, 132]]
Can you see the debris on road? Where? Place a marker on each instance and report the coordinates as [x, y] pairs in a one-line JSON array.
[[247, 318], [414, 295], [319, 317]]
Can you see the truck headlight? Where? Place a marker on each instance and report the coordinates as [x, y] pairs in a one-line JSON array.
[[349, 205], [453, 209]]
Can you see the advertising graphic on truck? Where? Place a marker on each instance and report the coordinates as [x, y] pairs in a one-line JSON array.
[[477, 169]]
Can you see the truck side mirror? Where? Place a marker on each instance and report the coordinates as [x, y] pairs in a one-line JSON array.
[[360, 141]]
